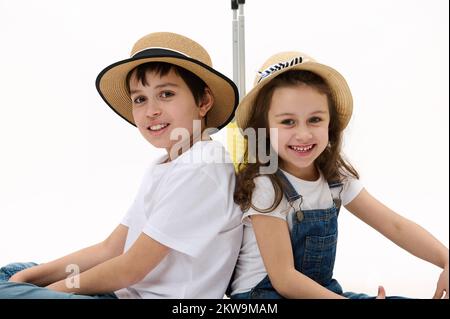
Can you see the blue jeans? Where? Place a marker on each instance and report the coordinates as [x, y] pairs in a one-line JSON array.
[[272, 294], [14, 290]]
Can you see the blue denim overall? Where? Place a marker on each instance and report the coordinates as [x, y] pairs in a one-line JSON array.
[[313, 237]]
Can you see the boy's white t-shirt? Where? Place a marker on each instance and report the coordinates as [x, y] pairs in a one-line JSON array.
[[187, 205], [250, 269]]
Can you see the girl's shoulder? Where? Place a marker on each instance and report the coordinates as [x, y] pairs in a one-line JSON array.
[[350, 188], [264, 185], [263, 198], [346, 181], [264, 195], [264, 192]]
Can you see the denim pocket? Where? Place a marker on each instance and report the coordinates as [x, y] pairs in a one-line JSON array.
[[318, 260]]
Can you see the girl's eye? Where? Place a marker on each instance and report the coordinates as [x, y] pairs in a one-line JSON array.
[[288, 122], [139, 100], [315, 119], [166, 94]]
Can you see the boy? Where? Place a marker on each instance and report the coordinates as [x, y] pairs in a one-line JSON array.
[[181, 236]]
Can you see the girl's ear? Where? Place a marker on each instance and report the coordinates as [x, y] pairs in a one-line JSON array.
[[206, 102]]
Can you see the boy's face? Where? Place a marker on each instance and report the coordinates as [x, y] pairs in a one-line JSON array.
[[163, 105]]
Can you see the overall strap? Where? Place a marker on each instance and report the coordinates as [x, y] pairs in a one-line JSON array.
[[291, 195], [336, 197], [288, 190]]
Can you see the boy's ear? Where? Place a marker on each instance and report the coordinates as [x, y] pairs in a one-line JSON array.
[[206, 103]]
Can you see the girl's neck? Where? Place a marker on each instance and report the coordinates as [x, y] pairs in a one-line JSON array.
[[310, 174]]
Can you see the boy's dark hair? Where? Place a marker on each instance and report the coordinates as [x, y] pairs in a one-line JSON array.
[[195, 84], [331, 163]]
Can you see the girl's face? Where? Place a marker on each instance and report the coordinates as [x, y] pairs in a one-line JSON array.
[[301, 115], [162, 106]]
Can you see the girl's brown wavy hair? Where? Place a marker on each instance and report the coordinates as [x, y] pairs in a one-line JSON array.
[[331, 162]]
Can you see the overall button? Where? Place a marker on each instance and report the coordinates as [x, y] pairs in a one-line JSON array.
[[300, 215], [337, 202]]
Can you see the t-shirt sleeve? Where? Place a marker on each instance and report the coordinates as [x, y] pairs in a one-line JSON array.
[[190, 212], [263, 198], [126, 220], [352, 187], [128, 217]]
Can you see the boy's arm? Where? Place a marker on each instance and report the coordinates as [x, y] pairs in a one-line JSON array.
[[118, 272], [272, 236], [398, 229], [45, 274]]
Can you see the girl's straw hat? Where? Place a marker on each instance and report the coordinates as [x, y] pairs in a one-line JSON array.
[[286, 61], [175, 49]]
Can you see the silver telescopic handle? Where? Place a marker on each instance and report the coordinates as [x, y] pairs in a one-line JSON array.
[[235, 26], [241, 46]]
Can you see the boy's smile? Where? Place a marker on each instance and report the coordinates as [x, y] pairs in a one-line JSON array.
[[300, 113], [162, 106], [157, 129]]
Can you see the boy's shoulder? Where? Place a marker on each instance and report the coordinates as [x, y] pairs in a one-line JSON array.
[[204, 160], [196, 171], [206, 154]]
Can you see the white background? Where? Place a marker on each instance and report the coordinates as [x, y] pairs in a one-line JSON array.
[[70, 167]]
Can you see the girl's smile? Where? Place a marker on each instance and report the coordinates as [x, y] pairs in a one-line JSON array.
[[302, 150]]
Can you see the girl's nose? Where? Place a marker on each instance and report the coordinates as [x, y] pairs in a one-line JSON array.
[[303, 134]]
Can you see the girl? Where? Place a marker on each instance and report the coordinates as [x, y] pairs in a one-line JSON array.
[[290, 215]]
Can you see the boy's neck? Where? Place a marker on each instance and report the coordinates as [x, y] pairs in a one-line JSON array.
[[182, 147]]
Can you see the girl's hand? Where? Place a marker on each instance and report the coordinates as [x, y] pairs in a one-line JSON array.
[[18, 277], [442, 285], [381, 293]]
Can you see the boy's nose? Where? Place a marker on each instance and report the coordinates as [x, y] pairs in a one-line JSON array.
[[153, 110]]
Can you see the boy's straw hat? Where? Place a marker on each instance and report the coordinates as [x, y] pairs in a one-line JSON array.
[[175, 49], [286, 61]]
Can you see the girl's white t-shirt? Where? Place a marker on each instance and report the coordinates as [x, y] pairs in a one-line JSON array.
[[187, 205], [250, 268]]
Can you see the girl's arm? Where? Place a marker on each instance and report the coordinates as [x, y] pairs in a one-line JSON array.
[[45, 274], [272, 236], [118, 272], [398, 229]]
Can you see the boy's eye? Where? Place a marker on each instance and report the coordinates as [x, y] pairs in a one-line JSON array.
[[315, 119], [139, 100], [166, 94], [288, 122]]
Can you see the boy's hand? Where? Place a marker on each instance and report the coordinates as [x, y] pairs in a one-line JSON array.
[[381, 293], [442, 285]]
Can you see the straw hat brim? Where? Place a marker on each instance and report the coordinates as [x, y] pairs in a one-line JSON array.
[[112, 86], [339, 88]]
